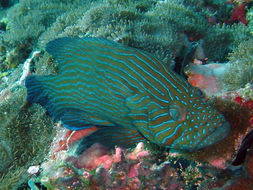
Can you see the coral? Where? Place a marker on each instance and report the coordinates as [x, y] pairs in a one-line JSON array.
[[249, 18], [98, 168], [3, 25], [136, 168], [207, 77], [241, 69], [24, 140], [23, 31], [160, 28], [25, 132], [13, 58], [221, 11], [157, 27], [23, 26], [221, 40], [236, 106], [14, 179]]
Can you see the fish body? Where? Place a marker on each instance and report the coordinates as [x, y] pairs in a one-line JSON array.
[[128, 94]]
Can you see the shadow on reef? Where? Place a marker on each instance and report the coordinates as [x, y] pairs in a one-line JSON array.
[[247, 142]]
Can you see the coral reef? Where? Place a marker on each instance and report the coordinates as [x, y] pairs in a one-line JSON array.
[[241, 61], [237, 107], [159, 27], [24, 142], [26, 21], [25, 132], [162, 28], [207, 77], [137, 168], [98, 168]]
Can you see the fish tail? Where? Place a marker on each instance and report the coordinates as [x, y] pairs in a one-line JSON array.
[[36, 90], [43, 90]]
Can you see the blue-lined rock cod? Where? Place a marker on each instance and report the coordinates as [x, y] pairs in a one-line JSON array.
[[128, 94]]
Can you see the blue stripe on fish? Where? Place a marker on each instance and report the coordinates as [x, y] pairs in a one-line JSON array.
[[127, 93]]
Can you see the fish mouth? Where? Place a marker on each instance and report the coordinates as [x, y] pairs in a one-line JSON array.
[[218, 134]]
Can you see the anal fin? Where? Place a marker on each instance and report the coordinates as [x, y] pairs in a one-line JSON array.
[[111, 136], [75, 119]]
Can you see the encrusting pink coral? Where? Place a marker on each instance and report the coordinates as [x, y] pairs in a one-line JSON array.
[[93, 157], [125, 169], [138, 152], [207, 77], [218, 163], [98, 155]]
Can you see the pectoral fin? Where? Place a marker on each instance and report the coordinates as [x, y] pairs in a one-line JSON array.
[[139, 107]]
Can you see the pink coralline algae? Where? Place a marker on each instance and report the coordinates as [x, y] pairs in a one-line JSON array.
[[93, 157], [206, 76], [100, 168]]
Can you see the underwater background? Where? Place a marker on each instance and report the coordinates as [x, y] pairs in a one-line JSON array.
[[209, 42]]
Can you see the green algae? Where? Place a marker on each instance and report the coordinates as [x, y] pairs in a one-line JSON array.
[[25, 137], [241, 70]]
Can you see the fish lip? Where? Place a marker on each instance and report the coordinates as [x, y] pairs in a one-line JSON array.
[[218, 134]]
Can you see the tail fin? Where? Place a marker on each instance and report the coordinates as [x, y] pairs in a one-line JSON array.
[[41, 90], [35, 90]]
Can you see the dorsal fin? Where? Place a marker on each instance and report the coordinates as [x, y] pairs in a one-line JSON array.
[[64, 49]]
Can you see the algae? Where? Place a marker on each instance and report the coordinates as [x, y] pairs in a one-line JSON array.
[[241, 70]]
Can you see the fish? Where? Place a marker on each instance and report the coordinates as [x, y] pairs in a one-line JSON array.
[[128, 94]]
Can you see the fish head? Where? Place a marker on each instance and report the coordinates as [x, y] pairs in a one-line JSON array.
[[191, 123]]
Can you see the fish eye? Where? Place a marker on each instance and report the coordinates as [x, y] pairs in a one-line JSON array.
[[174, 112]]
